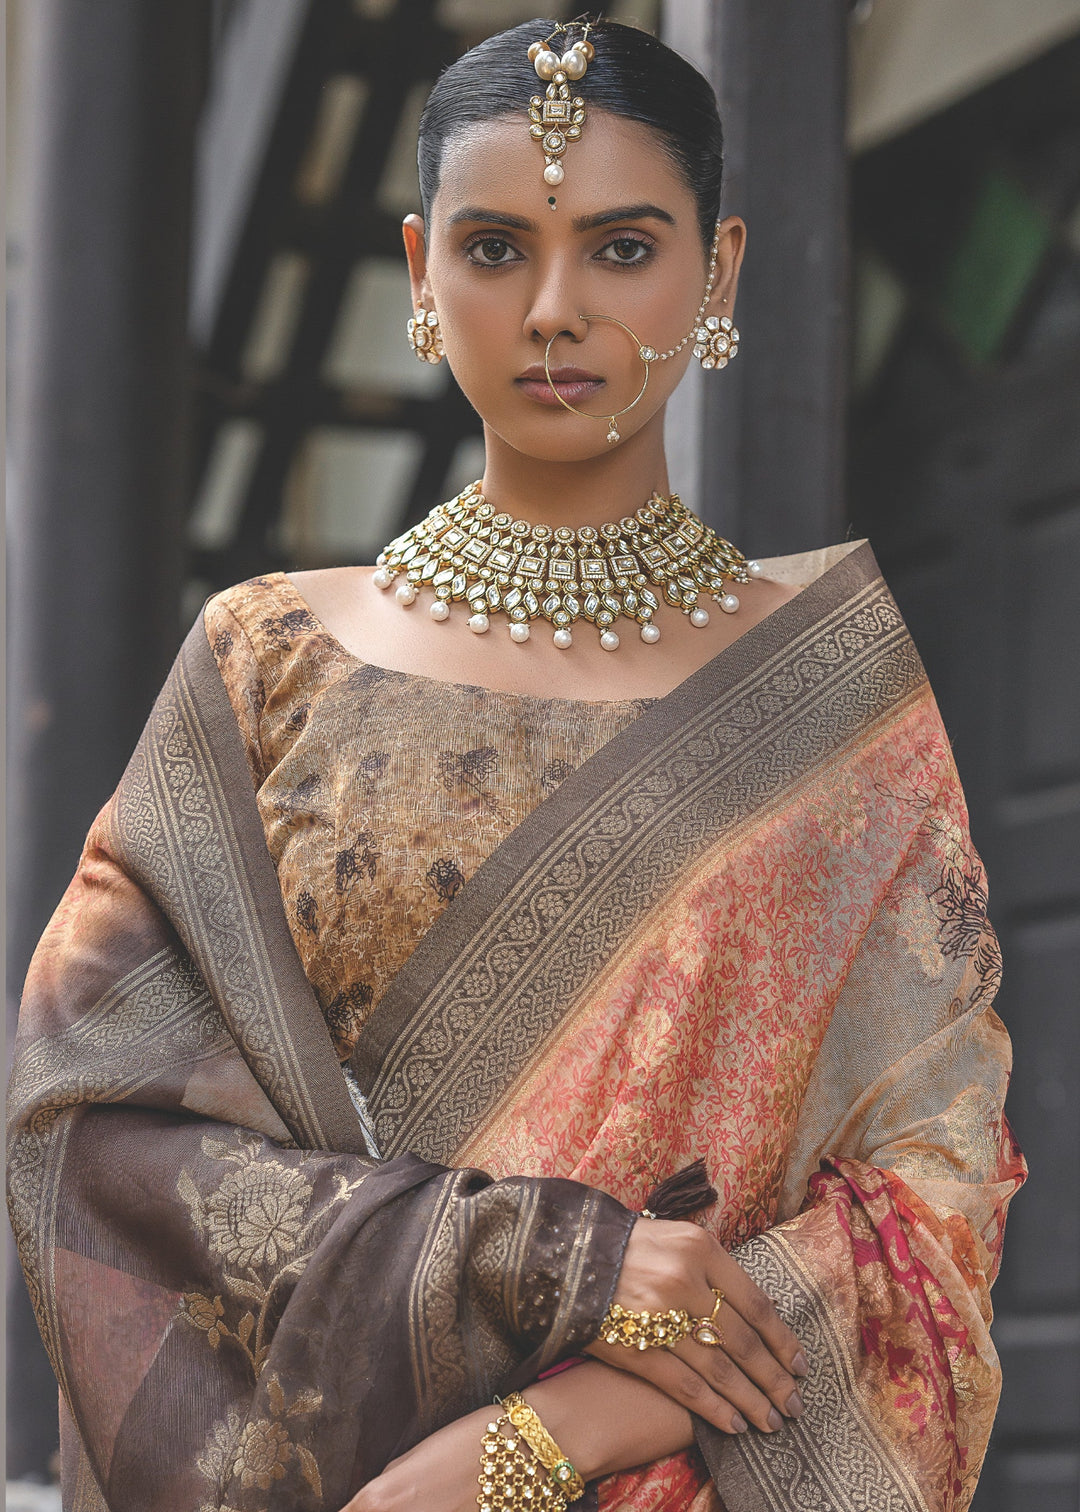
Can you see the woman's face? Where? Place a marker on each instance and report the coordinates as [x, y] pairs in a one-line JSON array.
[[506, 272]]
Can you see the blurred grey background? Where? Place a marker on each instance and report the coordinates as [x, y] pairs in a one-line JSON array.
[[208, 379]]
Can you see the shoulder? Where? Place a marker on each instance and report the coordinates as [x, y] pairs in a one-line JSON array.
[[801, 568], [275, 657], [259, 609], [331, 594], [273, 619], [267, 625]]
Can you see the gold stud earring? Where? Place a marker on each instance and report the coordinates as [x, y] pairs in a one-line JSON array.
[[424, 335]]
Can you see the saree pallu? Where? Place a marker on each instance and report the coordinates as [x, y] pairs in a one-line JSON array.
[[244, 1308], [751, 928]]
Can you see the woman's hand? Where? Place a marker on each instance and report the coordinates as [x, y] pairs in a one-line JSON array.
[[752, 1377], [603, 1420], [438, 1475]]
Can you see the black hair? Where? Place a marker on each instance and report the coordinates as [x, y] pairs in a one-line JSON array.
[[632, 75]]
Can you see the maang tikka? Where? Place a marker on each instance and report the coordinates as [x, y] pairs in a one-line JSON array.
[[556, 117]]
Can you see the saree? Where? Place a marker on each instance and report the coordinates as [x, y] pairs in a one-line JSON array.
[[750, 929]]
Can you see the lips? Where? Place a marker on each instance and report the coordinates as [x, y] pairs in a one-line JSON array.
[[572, 384]]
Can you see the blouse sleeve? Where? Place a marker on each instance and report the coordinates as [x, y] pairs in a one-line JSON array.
[[242, 676], [901, 1171]]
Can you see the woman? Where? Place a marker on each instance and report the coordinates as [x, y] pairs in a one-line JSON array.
[[382, 905]]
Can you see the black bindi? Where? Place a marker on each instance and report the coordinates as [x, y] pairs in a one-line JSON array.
[[551, 201]]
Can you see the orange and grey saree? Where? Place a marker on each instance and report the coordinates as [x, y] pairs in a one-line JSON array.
[[750, 928]]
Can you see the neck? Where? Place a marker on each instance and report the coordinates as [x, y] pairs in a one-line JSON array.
[[573, 494]]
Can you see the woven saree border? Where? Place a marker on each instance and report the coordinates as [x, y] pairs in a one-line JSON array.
[[832, 1457], [504, 965], [189, 830]]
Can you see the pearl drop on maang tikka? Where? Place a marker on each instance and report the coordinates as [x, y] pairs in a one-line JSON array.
[[465, 551]]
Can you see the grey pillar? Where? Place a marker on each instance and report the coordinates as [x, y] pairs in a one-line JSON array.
[[768, 430], [98, 447]]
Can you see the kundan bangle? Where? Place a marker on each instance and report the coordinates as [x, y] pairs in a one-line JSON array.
[[511, 1478]]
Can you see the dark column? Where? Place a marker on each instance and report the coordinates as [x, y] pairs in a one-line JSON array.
[[770, 427], [98, 441]]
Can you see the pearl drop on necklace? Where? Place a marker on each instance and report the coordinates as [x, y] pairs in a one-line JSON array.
[[662, 554]]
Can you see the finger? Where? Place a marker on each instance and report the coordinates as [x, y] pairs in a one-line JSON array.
[[744, 1373], [758, 1312], [677, 1380], [745, 1348]]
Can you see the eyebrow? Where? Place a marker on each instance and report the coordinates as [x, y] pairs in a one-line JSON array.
[[579, 223]]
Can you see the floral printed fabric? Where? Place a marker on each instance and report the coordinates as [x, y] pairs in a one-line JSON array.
[[752, 930], [381, 792], [810, 1013]]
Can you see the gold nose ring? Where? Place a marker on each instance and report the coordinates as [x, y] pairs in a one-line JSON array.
[[645, 352]]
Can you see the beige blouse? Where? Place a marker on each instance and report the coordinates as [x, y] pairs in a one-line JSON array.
[[381, 792]]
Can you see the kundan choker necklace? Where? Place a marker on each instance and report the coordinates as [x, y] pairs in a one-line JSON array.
[[467, 552]]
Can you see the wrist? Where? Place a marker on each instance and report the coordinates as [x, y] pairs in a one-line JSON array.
[[605, 1420], [557, 1401]]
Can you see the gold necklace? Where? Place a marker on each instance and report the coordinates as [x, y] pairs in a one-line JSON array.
[[465, 551]]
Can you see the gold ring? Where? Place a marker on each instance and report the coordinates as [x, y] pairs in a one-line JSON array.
[[646, 353], [707, 1331]]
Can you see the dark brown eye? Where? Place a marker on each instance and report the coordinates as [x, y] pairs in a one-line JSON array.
[[492, 249], [626, 249]]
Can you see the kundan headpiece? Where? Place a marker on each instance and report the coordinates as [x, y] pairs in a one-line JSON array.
[[556, 117]]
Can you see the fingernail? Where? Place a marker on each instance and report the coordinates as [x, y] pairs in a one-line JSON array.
[[800, 1365], [739, 1424], [774, 1419], [794, 1405]]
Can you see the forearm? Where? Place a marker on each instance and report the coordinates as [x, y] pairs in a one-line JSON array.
[[605, 1420]]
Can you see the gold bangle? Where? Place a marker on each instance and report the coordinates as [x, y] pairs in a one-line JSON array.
[[562, 1473]]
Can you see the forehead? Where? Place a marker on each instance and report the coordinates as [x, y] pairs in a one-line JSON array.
[[498, 164]]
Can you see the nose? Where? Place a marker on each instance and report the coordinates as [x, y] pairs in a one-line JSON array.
[[553, 307]]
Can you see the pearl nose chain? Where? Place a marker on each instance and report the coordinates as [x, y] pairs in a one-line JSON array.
[[702, 330], [467, 552]]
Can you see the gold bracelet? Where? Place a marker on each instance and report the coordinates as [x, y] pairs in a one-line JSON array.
[[547, 1451], [644, 1330], [511, 1478], [662, 1330]]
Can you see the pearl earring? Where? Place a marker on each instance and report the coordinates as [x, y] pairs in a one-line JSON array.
[[424, 335]]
